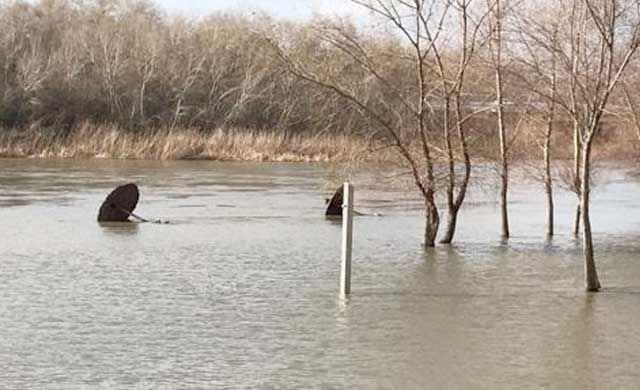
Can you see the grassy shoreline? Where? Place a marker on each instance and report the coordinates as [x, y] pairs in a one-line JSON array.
[[107, 142], [94, 141]]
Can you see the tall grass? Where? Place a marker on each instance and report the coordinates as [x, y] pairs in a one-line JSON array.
[[105, 141], [89, 140]]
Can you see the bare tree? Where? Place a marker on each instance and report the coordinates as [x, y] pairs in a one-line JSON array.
[[539, 39], [606, 47], [551, 117], [616, 49], [452, 76], [496, 48]]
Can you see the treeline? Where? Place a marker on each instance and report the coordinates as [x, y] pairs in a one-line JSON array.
[[128, 64]]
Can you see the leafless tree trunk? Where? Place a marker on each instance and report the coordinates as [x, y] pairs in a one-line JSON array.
[[610, 65], [540, 41], [591, 275], [548, 177], [497, 60], [576, 41], [452, 90], [577, 166], [432, 214]]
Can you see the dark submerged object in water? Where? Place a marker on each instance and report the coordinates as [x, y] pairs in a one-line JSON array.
[[334, 208], [119, 205]]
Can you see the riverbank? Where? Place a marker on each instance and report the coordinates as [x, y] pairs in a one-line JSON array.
[[108, 142]]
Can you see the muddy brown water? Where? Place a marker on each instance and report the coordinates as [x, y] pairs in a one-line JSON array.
[[240, 290]]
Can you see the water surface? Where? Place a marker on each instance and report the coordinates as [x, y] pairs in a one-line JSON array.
[[240, 290]]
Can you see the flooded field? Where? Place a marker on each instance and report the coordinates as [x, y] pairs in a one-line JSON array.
[[240, 289]]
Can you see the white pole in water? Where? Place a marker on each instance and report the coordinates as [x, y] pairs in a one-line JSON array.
[[347, 240]]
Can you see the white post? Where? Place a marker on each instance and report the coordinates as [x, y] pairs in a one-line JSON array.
[[347, 240]]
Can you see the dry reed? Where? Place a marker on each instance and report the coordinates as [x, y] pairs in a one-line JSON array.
[[90, 140], [104, 141]]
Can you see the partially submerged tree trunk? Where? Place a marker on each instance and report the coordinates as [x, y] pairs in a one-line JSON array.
[[504, 199], [497, 40], [605, 17], [591, 275], [470, 43], [577, 217], [432, 223], [455, 203], [548, 179], [452, 222], [452, 210], [540, 40], [504, 161]]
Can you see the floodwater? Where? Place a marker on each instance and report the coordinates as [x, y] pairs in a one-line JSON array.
[[239, 291]]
